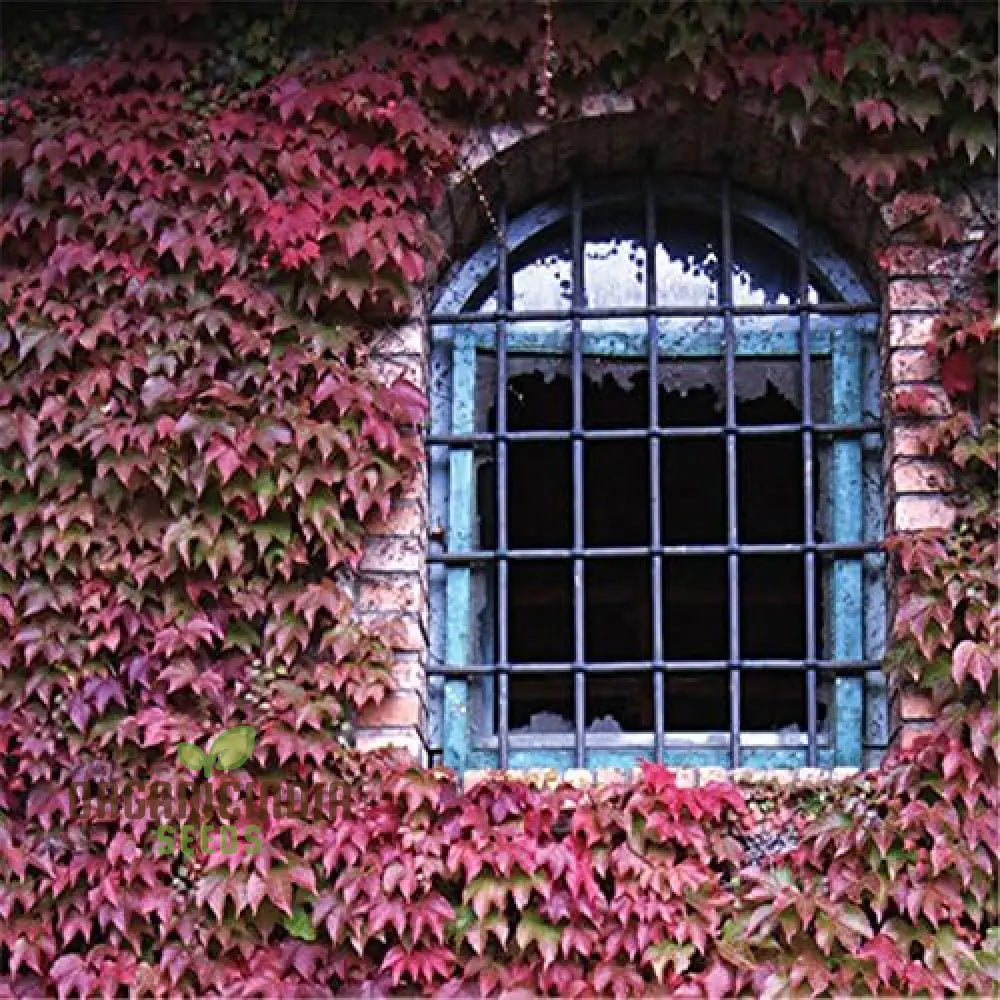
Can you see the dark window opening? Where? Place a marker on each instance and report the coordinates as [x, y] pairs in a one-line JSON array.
[[617, 602]]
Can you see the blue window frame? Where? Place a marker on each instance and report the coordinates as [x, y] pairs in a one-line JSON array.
[[678, 327]]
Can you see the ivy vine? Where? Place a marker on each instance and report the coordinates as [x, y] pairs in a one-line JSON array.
[[211, 215]]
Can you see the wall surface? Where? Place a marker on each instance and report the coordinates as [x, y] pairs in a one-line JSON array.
[[222, 227]]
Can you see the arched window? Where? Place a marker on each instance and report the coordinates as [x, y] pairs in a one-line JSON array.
[[655, 464]]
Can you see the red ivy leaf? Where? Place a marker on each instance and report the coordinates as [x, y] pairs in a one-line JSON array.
[[657, 777], [874, 113], [794, 69], [972, 660], [958, 373]]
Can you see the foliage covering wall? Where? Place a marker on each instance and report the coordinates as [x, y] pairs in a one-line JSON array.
[[209, 216]]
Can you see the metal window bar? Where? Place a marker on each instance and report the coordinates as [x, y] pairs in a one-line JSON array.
[[828, 549], [838, 666], [660, 312], [576, 371], [633, 433], [656, 562], [579, 554], [503, 655], [732, 507], [808, 519]]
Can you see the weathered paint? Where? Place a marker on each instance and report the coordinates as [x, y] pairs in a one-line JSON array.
[[876, 725], [844, 617], [769, 337], [845, 575], [455, 724]]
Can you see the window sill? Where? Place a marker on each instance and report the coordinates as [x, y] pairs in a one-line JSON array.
[[686, 777]]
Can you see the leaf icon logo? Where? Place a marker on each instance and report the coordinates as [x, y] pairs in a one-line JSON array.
[[232, 748], [194, 758], [229, 750]]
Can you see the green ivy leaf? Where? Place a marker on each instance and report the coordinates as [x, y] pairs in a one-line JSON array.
[[299, 925], [265, 487], [916, 106], [242, 635], [269, 529], [669, 953], [533, 928], [975, 133], [465, 918], [232, 748], [867, 56]]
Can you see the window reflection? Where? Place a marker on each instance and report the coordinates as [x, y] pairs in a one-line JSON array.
[[687, 262], [615, 271], [541, 274], [765, 269]]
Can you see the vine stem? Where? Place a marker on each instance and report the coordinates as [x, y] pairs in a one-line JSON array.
[[545, 109], [481, 196]]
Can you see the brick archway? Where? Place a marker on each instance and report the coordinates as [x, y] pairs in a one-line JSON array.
[[610, 137]]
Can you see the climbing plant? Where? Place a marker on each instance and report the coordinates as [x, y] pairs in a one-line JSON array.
[[211, 218]]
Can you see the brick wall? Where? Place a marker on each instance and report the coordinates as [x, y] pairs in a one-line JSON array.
[[919, 279], [531, 161], [392, 584]]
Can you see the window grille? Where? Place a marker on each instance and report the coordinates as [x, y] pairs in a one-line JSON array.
[[733, 330]]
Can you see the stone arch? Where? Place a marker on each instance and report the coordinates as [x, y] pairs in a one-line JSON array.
[[610, 137]]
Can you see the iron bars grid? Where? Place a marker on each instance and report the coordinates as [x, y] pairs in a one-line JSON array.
[[814, 553]]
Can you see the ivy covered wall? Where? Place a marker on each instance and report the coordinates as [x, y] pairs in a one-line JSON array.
[[213, 219]]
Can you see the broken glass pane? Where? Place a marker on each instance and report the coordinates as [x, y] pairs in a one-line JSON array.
[[697, 701], [539, 494], [541, 613], [614, 259], [617, 595], [540, 273], [766, 269], [687, 259], [616, 493]]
